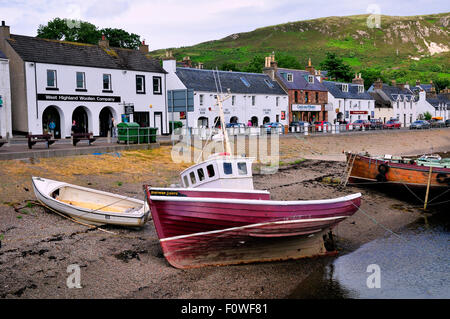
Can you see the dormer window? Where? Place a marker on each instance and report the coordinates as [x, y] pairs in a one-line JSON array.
[[290, 77], [344, 87], [310, 78], [360, 89]]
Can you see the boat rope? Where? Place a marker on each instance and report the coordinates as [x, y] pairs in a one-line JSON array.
[[378, 223]]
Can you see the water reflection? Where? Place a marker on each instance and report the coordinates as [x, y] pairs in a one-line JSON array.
[[416, 267]]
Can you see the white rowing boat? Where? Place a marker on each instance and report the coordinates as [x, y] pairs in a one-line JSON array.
[[89, 205]]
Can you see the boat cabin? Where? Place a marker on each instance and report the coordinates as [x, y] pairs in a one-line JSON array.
[[220, 171]]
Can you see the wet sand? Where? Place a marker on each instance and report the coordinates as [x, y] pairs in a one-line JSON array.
[[38, 245]]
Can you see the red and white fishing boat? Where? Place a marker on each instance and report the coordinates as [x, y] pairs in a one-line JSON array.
[[217, 218]]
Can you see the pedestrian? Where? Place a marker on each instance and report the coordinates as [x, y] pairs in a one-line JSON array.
[[249, 123], [112, 127], [74, 127], [52, 127]]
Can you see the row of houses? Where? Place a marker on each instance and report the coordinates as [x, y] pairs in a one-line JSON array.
[[92, 86]]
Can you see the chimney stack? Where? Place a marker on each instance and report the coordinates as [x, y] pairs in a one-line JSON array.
[[143, 47], [378, 84], [187, 62], [270, 66], [4, 34], [103, 43], [358, 79], [417, 82], [393, 83], [310, 68]]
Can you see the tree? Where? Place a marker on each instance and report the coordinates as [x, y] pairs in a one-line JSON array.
[[427, 116], [121, 39], [255, 65], [370, 76], [287, 61], [336, 68], [85, 32], [229, 66]]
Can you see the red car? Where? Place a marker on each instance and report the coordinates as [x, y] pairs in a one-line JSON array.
[[359, 124], [321, 124], [392, 124]]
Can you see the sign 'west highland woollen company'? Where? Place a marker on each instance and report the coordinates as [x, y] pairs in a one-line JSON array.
[[78, 98]]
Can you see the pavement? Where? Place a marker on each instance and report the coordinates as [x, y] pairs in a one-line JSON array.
[[17, 147]]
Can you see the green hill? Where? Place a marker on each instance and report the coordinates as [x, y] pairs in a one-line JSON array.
[[403, 48]]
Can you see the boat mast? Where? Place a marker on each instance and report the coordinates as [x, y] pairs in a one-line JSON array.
[[226, 140]]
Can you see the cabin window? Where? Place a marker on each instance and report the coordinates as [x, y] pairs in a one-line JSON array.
[[201, 174], [242, 168], [192, 176], [185, 179], [210, 169], [227, 168]]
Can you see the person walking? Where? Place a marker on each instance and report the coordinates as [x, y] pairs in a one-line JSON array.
[[112, 127], [74, 127], [52, 127]]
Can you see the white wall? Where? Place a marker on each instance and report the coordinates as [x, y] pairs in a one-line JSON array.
[[265, 104], [5, 92], [123, 84], [349, 105]]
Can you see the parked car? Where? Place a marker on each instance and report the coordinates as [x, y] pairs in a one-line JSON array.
[[321, 124], [272, 127], [437, 123], [235, 125], [298, 123], [447, 123], [376, 124], [419, 124], [391, 124], [359, 124]]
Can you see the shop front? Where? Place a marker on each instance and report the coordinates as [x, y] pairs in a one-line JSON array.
[[308, 113]]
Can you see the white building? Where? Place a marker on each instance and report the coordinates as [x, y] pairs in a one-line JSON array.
[[254, 97], [397, 101], [90, 84], [5, 98], [349, 101]]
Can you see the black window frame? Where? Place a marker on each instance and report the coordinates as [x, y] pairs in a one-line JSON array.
[[109, 90], [80, 89], [160, 85], [143, 84], [55, 87]]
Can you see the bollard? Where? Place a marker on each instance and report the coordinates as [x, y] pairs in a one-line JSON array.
[[306, 128]]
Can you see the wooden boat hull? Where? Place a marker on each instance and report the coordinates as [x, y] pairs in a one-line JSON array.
[[91, 206], [216, 230], [367, 169]]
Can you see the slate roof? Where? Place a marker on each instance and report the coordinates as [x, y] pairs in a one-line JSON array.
[[38, 50], [335, 88], [300, 80], [380, 101], [2, 55], [440, 99], [395, 93], [203, 80]]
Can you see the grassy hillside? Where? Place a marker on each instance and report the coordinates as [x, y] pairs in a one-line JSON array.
[[403, 48]]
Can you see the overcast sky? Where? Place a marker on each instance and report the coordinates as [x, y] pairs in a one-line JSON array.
[[175, 23]]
